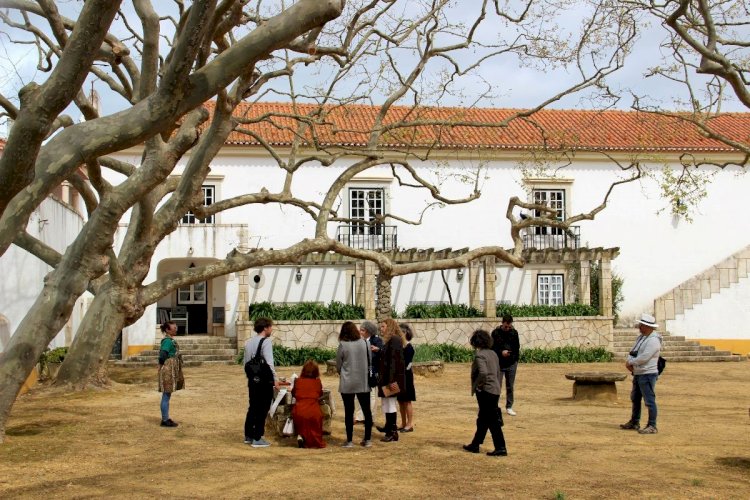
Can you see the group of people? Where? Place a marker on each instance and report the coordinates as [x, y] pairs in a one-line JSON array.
[[367, 361]]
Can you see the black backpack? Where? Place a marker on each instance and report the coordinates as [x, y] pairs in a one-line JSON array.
[[661, 363], [257, 370]]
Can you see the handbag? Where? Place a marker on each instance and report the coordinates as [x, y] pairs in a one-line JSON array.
[[388, 392], [288, 429]]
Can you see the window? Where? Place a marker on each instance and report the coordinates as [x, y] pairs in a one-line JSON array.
[[366, 204], [549, 289], [193, 294], [209, 197], [555, 199]]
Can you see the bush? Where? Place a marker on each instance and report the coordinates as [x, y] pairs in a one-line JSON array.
[[56, 355], [306, 311], [425, 311], [521, 311], [287, 356], [567, 354], [448, 353]]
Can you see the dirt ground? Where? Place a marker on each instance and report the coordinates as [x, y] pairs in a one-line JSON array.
[[108, 442]]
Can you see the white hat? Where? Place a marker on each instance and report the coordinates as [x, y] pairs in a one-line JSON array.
[[648, 320]]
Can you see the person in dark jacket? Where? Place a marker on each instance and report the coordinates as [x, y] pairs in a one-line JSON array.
[[369, 331], [409, 394], [507, 346], [485, 383], [391, 375]]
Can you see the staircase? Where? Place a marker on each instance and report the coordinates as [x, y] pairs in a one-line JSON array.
[[195, 350], [701, 286], [674, 348]]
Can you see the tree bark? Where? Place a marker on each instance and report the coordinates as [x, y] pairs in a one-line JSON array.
[[86, 361], [383, 306], [51, 311]]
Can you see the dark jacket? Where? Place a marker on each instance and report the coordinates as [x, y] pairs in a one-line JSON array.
[[375, 358], [506, 341], [392, 367]]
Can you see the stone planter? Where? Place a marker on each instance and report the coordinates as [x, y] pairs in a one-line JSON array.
[[428, 368]]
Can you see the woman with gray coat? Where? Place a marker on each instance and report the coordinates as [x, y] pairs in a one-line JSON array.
[[485, 383], [352, 362]]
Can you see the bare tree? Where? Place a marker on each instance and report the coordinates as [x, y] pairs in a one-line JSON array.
[[388, 51]]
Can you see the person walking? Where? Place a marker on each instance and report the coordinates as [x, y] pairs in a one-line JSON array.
[[369, 331], [170, 374], [352, 363], [642, 363], [507, 346], [306, 414], [485, 383], [260, 392], [391, 375], [409, 394]]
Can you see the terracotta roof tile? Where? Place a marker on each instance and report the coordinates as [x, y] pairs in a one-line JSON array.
[[582, 130]]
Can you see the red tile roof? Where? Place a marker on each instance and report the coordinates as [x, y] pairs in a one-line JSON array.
[[581, 130]]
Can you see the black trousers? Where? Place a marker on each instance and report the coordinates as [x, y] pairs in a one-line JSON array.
[[364, 403], [489, 418], [259, 402]]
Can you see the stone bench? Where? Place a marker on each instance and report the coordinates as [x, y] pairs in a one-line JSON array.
[[284, 411], [595, 385]]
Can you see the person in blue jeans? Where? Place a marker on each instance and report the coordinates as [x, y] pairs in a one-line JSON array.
[[642, 362]]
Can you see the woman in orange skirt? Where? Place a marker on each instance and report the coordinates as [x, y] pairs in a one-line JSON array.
[[308, 419]]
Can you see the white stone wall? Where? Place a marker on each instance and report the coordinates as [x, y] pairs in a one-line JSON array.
[[55, 224], [533, 332]]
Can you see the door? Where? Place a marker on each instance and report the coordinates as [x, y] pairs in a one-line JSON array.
[[194, 299]]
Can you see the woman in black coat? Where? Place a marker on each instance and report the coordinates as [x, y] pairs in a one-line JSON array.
[[391, 376], [409, 393]]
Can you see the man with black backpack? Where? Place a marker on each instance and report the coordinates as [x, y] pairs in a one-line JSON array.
[[643, 363], [261, 380], [507, 346]]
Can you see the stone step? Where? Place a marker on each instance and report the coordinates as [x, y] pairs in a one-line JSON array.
[[185, 357], [202, 341], [702, 358], [137, 364], [196, 350], [621, 346]]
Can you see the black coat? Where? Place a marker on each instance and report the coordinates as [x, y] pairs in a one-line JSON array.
[[506, 341], [375, 359], [392, 367]]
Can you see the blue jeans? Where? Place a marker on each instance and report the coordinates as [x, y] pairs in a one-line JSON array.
[[643, 388], [165, 405]]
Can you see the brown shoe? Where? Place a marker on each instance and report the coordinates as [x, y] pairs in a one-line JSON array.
[[634, 426], [390, 437]]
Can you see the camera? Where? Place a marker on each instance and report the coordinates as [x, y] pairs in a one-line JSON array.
[[633, 353]]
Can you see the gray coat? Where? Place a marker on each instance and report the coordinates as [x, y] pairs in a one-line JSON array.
[[485, 372], [351, 363]]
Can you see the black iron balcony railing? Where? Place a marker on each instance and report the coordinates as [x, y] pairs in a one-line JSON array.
[[368, 237], [553, 238]]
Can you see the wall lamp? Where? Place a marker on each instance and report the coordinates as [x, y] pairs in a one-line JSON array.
[[460, 274], [298, 275]]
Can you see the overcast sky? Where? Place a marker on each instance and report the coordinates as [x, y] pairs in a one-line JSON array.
[[514, 86]]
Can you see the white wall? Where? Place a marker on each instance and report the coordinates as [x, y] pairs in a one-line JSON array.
[[23, 274]]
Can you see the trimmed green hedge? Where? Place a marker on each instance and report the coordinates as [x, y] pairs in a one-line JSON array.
[[525, 311], [306, 311], [287, 356], [447, 353], [424, 311]]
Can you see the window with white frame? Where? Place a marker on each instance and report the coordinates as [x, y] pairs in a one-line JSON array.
[[192, 294], [209, 197], [549, 289], [554, 199], [366, 204]]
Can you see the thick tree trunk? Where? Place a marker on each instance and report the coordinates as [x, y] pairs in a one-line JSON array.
[[87, 357], [44, 320], [383, 306]]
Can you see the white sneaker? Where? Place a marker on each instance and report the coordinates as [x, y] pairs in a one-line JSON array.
[[260, 443], [348, 444], [511, 412]]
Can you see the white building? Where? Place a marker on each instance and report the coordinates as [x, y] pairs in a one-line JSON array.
[[662, 257]]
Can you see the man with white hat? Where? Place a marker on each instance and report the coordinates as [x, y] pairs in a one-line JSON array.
[[642, 363]]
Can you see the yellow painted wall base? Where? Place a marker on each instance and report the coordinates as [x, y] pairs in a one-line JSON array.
[[134, 350], [736, 346], [30, 381]]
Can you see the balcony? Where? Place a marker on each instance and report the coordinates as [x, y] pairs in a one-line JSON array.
[[555, 239], [368, 237]]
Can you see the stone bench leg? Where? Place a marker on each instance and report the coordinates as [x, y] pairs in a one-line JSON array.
[[595, 390]]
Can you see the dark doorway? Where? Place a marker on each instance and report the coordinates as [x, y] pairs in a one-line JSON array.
[[198, 314]]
